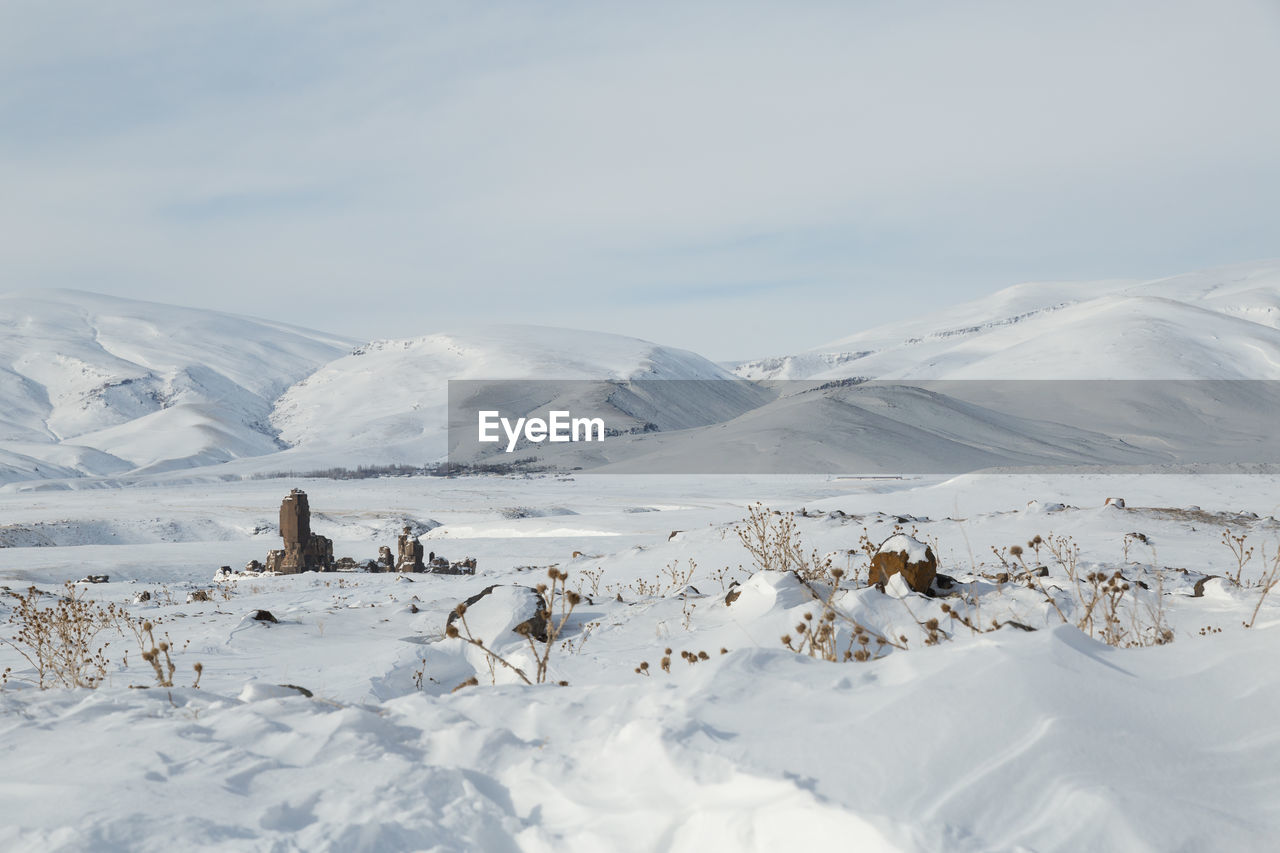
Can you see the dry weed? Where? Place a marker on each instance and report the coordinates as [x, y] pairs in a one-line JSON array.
[[60, 640], [772, 540]]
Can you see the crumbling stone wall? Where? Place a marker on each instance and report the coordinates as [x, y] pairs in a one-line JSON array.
[[409, 553]]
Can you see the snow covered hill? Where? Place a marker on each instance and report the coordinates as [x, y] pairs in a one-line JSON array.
[[1215, 324], [102, 387], [96, 385], [386, 402]]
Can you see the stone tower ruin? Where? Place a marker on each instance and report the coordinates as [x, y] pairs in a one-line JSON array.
[[303, 550], [409, 558]]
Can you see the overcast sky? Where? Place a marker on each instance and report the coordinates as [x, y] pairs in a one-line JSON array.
[[738, 178]]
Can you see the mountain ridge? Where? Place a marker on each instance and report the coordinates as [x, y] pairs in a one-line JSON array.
[[934, 345], [100, 386]]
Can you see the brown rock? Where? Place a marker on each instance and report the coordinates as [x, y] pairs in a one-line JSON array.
[[901, 554]]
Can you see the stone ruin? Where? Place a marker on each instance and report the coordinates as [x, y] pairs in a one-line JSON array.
[[409, 558], [409, 553], [303, 550], [441, 566]]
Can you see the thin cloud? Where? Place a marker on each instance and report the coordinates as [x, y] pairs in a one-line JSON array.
[[420, 164]]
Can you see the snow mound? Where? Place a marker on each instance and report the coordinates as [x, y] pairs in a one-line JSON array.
[[258, 691]]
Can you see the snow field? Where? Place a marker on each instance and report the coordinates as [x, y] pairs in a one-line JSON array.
[[1003, 740]]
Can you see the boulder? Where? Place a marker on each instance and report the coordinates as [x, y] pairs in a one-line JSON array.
[[907, 556]]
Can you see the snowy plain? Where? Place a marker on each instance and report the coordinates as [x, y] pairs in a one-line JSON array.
[[1008, 740], [1037, 735]]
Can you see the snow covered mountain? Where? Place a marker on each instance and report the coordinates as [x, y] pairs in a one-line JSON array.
[[101, 387], [1216, 324], [96, 385], [386, 402]]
